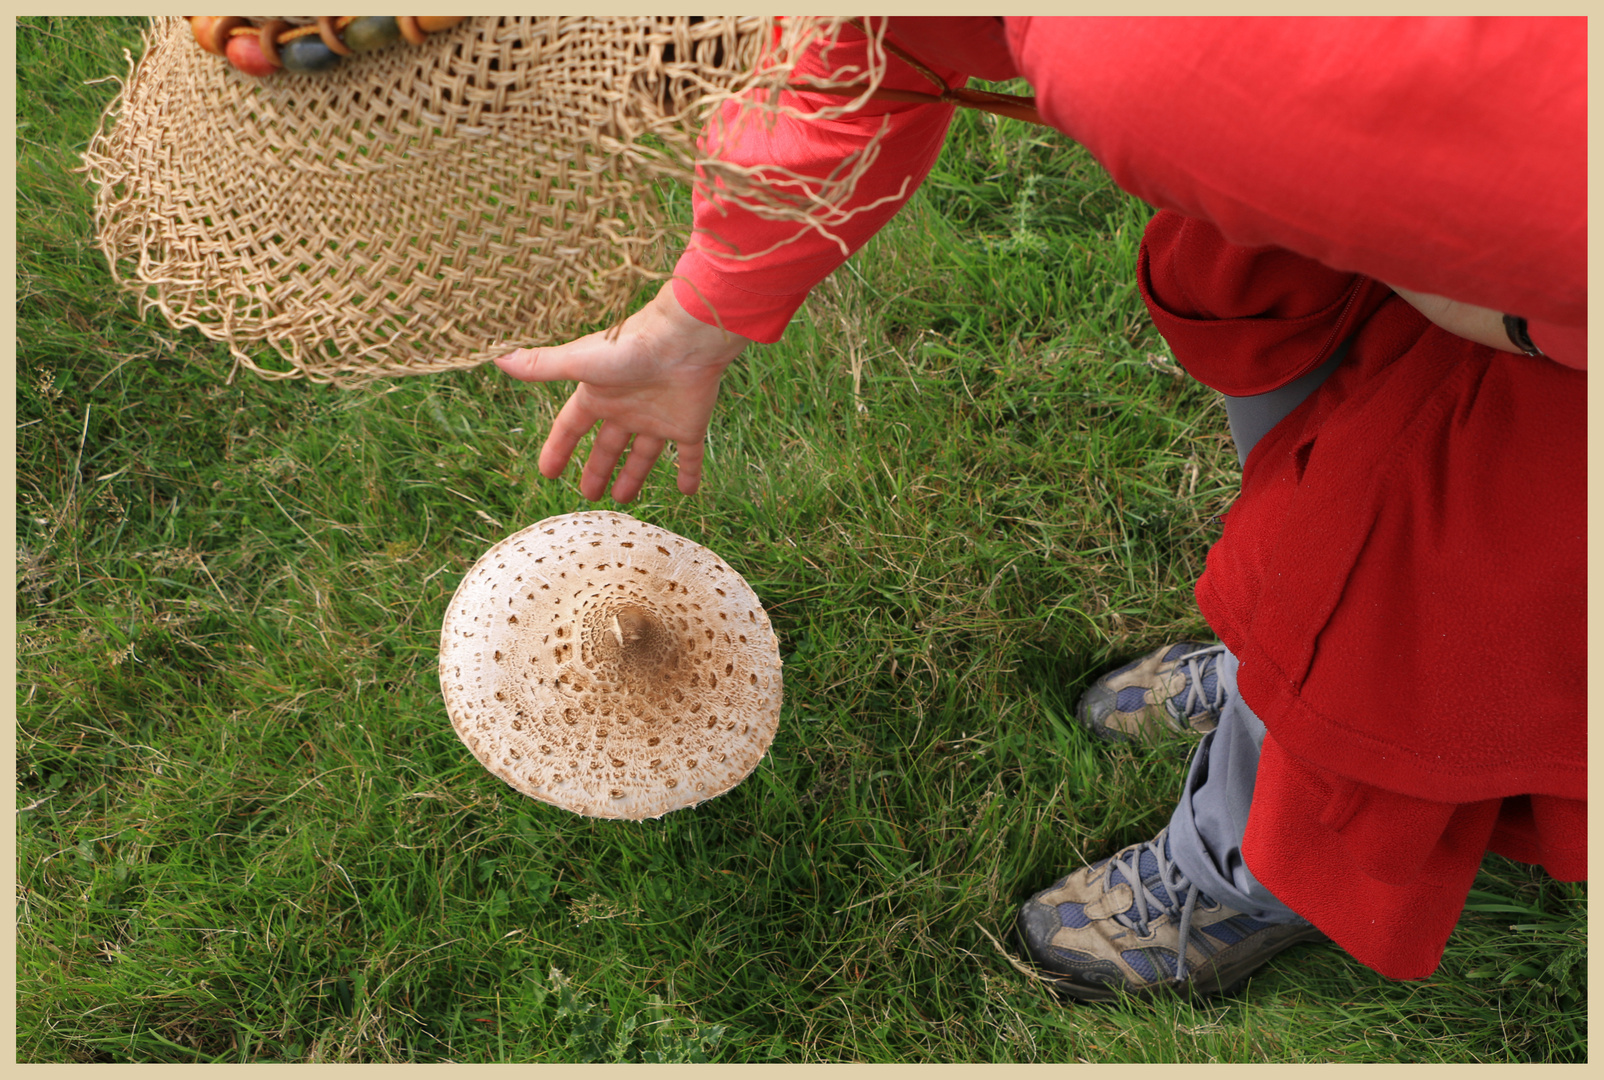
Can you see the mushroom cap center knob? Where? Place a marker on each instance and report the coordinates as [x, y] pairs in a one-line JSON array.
[[630, 643]]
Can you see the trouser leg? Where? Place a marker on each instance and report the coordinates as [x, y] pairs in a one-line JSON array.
[[1207, 826], [1251, 418]]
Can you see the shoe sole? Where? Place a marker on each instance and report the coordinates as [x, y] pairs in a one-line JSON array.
[[1207, 981]]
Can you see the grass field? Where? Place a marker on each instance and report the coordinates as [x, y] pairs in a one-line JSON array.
[[969, 480]]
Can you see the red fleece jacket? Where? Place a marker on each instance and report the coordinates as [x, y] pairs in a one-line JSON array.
[[1402, 575], [1403, 579]]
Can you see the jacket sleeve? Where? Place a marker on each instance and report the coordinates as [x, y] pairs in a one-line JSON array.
[[750, 274], [1447, 156]]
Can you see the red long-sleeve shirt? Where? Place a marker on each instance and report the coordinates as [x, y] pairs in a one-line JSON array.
[[1446, 156]]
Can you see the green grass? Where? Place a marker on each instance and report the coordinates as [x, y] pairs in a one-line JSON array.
[[967, 481]]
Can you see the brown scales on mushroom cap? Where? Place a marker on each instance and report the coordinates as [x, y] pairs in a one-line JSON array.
[[610, 667]]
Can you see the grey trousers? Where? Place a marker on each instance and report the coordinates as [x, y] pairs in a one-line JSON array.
[[1206, 828]]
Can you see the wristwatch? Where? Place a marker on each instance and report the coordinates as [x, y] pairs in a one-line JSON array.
[[1515, 327]]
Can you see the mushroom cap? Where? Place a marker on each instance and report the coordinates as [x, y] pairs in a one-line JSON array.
[[610, 667]]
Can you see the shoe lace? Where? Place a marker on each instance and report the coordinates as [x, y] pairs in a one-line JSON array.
[[1195, 694], [1151, 905]]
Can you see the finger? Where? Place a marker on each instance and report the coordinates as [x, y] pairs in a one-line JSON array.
[[690, 467], [574, 361], [643, 454], [572, 422], [604, 454]]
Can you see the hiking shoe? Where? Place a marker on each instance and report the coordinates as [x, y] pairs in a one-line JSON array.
[[1133, 921], [1172, 690]]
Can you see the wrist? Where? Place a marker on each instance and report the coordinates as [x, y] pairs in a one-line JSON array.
[[1482, 325], [702, 343]]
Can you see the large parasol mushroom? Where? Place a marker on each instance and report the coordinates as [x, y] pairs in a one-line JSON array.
[[610, 667]]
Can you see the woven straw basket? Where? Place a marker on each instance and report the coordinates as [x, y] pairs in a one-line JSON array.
[[430, 207]]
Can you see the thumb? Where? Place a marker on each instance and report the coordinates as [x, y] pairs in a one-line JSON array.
[[575, 361]]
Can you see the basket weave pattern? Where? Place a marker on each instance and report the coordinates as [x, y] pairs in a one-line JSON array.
[[427, 207]]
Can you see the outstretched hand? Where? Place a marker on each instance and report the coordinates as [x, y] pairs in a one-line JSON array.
[[653, 383]]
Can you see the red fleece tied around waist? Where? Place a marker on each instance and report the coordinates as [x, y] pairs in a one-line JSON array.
[[1245, 320], [1403, 581]]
